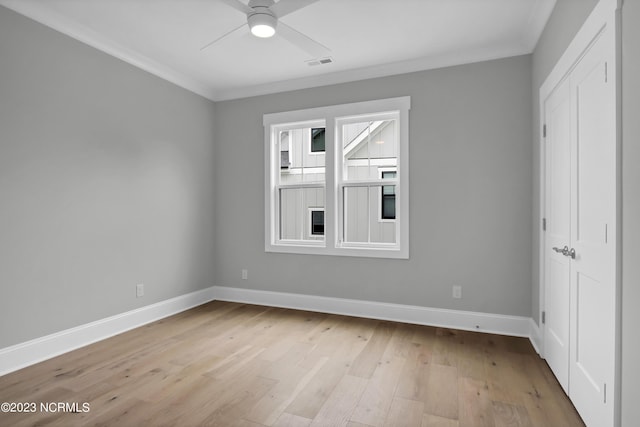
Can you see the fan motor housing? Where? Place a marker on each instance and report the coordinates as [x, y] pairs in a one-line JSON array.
[[261, 16]]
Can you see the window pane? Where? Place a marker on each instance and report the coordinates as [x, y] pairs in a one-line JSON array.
[[284, 159], [298, 163], [356, 214], [367, 146], [295, 220], [388, 206], [317, 140], [388, 189], [284, 150], [317, 222], [362, 216], [388, 174]]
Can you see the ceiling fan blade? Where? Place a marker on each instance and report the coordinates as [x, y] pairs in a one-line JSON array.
[[285, 7], [238, 5], [223, 36], [295, 37]]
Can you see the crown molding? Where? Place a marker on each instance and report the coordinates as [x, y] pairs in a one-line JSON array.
[[539, 15], [385, 70], [66, 26]]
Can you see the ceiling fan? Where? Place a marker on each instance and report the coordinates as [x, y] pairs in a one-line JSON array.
[[263, 18]]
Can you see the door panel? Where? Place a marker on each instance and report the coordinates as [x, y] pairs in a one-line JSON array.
[[587, 350], [591, 150], [592, 330], [557, 319], [558, 204]]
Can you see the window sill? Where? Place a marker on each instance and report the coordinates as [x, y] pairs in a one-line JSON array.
[[361, 252]]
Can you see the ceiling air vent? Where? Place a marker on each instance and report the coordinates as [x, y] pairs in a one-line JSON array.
[[320, 61]]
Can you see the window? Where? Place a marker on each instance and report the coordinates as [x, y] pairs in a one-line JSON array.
[[284, 151], [317, 140], [388, 197], [316, 221], [337, 180], [300, 185]]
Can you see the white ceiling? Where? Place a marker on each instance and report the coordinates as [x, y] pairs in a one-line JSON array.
[[367, 38]]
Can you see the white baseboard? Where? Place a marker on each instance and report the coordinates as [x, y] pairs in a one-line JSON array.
[[43, 348], [455, 319]]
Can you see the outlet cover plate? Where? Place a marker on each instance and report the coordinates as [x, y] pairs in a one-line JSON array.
[[457, 291]]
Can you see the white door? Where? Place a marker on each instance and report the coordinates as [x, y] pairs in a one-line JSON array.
[[580, 241], [558, 202], [593, 207]]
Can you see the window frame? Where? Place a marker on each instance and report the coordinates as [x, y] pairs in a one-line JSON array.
[[333, 116]]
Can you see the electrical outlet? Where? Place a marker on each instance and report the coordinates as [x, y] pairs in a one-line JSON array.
[[139, 290], [457, 291], [245, 274]]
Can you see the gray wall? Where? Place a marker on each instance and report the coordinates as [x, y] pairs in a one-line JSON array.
[[105, 181], [470, 193], [630, 212], [565, 21]]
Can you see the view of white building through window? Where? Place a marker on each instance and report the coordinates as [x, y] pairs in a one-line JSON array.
[[337, 180]]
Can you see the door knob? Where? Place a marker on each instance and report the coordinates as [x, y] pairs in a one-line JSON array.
[[565, 251]]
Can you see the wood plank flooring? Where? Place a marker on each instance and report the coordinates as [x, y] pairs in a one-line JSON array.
[[229, 364]]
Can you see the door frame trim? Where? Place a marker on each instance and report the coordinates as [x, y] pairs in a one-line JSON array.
[[606, 14]]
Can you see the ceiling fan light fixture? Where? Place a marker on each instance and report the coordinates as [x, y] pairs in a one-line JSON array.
[[262, 24]]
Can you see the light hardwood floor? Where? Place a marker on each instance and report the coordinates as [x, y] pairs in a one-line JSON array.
[[229, 364]]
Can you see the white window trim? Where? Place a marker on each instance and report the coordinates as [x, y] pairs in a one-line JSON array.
[[298, 171], [332, 245]]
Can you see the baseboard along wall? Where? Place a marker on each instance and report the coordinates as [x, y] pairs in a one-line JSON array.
[[37, 350]]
